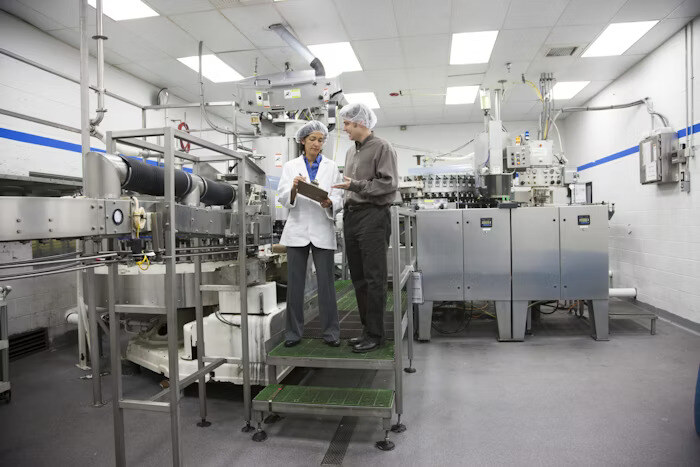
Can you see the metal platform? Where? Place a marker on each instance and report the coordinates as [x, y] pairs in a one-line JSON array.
[[314, 353], [280, 398]]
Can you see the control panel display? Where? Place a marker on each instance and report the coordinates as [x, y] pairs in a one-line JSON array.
[[486, 222], [584, 220]]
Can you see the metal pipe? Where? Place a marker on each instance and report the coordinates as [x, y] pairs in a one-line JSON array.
[[100, 38], [242, 274], [201, 97], [84, 93], [40, 121], [605, 107], [628, 292], [49, 273], [299, 48], [21, 264], [184, 106], [60, 74]]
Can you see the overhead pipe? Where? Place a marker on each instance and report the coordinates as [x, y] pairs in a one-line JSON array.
[[100, 38], [201, 100], [625, 292], [299, 48], [84, 92]]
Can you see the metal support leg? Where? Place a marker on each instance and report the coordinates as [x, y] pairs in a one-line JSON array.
[[242, 280], [116, 358], [409, 337], [260, 435], [425, 320], [409, 297], [512, 320], [199, 316], [398, 328], [385, 444], [94, 331], [170, 297], [598, 312]]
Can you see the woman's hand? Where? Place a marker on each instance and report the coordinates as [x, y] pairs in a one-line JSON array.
[[326, 203], [345, 185], [297, 179]]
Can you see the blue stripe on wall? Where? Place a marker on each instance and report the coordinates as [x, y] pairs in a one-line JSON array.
[[633, 150], [57, 144], [42, 141]]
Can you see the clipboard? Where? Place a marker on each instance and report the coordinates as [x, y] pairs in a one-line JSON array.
[[311, 191]]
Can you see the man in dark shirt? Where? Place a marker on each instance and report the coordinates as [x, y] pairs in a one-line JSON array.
[[371, 181]]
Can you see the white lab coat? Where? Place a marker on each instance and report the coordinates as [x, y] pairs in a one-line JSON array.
[[307, 222]]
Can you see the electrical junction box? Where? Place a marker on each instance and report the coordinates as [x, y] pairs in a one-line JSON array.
[[541, 153], [518, 157], [657, 154]]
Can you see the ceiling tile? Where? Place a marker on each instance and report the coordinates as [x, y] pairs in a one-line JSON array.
[[64, 12], [368, 19], [477, 15], [534, 13], [176, 7], [517, 110], [214, 29], [466, 75], [244, 62], [420, 17], [499, 71], [598, 12], [33, 17], [586, 94], [420, 51], [72, 37], [518, 44], [688, 9], [396, 116], [385, 100], [551, 65], [161, 33], [313, 21], [428, 96], [520, 92], [433, 77], [379, 54], [644, 10], [254, 21], [574, 35], [657, 36], [595, 69], [172, 72], [142, 73]]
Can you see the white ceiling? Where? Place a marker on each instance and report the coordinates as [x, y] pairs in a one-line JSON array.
[[401, 44]]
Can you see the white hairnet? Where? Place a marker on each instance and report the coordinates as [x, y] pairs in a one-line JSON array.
[[307, 129], [359, 113]]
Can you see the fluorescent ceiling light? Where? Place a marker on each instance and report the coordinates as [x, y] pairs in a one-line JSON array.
[[472, 47], [461, 95], [367, 98], [120, 10], [567, 89], [617, 38], [337, 58], [213, 68]]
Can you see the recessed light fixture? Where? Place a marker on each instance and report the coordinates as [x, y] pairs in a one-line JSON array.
[[120, 10], [461, 95], [367, 98], [617, 38], [337, 58], [213, 68], [567, 89], [472, 47]]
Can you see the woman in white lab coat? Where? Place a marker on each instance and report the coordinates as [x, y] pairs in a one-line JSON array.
[[310, 227]]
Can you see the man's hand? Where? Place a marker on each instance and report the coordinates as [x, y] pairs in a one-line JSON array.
[[345, 185], [326, 203]]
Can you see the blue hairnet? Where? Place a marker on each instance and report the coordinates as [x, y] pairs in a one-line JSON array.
[[313, 125], [359, 113]]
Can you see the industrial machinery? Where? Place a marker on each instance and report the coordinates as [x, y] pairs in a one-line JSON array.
[[519, 242]]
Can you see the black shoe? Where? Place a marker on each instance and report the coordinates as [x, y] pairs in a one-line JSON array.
[[291, 343], [335, 343], [366, 345], [356, 340]]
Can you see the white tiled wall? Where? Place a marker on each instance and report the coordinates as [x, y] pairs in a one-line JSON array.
[[655, 233]]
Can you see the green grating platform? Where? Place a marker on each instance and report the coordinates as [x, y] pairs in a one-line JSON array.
[[280, 398], [314, 353]]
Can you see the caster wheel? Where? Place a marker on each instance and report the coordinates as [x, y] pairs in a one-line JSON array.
[[204, 424], [259, 436], [398, 428], [409, 370], [385, 445], [247, 428]]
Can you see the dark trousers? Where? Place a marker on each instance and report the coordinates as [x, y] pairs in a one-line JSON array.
[[367, 233], [297, 258]]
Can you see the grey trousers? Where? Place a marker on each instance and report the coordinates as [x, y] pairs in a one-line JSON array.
[[297, 258]]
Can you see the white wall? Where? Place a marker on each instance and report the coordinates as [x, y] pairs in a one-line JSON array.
[[41, 302], [655, 233]]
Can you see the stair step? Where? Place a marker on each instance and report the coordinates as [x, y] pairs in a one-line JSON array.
[[314, 353], [314, 400]]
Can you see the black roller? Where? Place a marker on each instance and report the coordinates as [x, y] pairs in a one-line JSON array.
[[217, 193], [149, 179]]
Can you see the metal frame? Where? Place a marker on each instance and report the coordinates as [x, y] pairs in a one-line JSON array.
[[173, 392], [5, 387]]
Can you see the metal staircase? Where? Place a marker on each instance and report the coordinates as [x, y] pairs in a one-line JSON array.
[[277, 398]]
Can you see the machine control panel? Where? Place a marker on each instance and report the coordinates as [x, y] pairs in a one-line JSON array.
[[486, 222], [534, 176], [518, 157], [584, 220]]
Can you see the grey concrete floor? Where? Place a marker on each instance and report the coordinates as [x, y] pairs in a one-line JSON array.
[[558, 398]]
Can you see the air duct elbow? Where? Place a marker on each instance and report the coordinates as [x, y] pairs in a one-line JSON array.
[[299, 48]]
